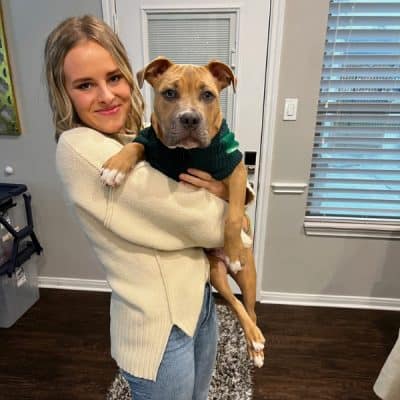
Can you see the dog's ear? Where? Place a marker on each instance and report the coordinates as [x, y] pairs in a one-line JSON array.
[[153, 70], [222, 73]]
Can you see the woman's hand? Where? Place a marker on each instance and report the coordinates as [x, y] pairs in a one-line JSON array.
[[200, 179]]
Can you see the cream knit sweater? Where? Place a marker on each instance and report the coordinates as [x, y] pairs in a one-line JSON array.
[[148, 236]]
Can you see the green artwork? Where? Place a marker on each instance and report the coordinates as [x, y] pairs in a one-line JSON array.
[[9, 123]]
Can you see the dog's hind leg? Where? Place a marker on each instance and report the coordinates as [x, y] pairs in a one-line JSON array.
[[246, 280], [254, 337]]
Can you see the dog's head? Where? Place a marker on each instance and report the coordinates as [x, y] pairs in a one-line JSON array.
[[187, 109]]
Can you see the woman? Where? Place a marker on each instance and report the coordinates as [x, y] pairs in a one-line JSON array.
[[146, 233]]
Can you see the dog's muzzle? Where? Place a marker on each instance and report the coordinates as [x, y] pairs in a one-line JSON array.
[[187, 130]]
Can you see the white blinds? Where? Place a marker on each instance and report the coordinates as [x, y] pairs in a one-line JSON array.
[[356, 157], [194, 38]]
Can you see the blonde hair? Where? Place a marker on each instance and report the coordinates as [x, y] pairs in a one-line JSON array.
[[60, 41]]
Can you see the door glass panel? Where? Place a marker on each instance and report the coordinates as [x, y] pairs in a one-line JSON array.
[[194, 38]]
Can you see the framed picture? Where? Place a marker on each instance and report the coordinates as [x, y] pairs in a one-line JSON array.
[[9, 120]]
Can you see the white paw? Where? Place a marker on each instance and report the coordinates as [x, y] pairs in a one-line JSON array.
[[257, 346], [111, 177], [246, 239], [258, 361], [234, 266], [119, 178]]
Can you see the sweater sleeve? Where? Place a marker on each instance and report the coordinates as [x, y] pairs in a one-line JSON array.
[[148, 209]]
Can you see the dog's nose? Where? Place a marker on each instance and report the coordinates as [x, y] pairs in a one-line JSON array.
[[190, 119]]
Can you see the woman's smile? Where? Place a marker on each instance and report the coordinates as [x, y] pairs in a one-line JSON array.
[[109, 110]]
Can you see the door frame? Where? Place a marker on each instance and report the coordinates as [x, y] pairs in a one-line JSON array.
[[270, 108], [270, 114]]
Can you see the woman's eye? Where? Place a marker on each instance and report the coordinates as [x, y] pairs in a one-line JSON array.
[[84, 86], [116, 78], [207, 95], [170, 94]]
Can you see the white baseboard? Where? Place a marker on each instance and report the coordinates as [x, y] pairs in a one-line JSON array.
[[73, 284], [300, 299], [296, 299]]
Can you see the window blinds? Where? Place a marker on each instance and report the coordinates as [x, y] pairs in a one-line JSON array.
[[194, 38], [356, 156]]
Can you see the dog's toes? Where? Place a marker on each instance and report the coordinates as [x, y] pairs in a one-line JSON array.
[[107, 176], [258, 346], [234, 266], [119, 178], [258, 360], [110, 177], [256, 356]]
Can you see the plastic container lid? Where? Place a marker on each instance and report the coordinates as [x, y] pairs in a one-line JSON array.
[[8, 190]]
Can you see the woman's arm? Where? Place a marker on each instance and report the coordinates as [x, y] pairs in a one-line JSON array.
[[148, 209]]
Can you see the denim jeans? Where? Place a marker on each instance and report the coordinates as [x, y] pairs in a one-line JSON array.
[[187, 364]]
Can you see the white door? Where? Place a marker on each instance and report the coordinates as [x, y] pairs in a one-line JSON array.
[[190, 31]]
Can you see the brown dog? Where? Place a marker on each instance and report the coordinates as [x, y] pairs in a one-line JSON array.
[[187, 115]]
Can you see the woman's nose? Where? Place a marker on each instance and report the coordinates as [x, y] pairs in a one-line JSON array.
[[105, 95]]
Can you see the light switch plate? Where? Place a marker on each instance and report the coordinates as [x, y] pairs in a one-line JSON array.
[[290, 110]]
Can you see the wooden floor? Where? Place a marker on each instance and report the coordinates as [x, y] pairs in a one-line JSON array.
[[60, 350]]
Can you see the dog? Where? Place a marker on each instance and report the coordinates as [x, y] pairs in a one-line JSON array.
[[188, 130]]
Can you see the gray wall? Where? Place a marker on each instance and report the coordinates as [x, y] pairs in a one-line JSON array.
[[67, 253]]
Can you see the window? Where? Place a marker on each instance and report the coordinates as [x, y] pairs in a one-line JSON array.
[[354, 185]]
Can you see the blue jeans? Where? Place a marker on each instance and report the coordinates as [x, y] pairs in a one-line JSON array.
[[186, 368]]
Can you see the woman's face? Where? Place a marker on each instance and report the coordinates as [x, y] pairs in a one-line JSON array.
[[99, 93]]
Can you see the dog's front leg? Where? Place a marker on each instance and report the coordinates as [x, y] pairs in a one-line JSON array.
[[233, 245], [116, 168]]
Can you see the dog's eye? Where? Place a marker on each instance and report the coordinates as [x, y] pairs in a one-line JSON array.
[[170, 94], [207, 96]]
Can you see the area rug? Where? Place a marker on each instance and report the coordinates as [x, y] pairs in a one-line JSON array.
[[233, 374]]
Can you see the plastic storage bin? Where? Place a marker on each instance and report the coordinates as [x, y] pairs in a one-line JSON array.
[[18, 270], [18, 293]]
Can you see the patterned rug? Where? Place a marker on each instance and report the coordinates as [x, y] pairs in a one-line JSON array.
[[233, 374]]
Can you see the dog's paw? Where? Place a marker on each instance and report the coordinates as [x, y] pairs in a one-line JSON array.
[[258, 346], [255, 344], [258, 354], [246, 239], [258, 360], [111, 177], [234, 266]]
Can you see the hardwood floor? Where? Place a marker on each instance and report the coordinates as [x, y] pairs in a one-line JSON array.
[[323, 353], [60, 350]]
